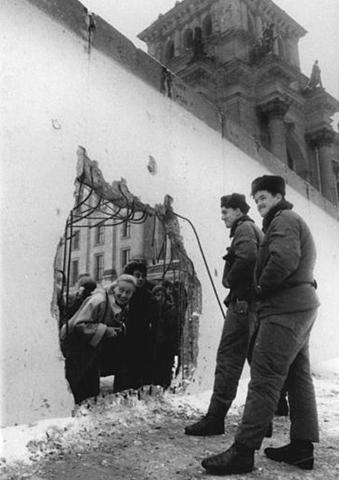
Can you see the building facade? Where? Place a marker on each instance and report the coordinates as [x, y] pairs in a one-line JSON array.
[[243, 56], [101, 238]]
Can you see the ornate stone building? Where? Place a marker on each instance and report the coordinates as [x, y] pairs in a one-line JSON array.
[[243, 56]]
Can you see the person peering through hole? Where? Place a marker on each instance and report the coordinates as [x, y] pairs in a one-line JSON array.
[[136, 367], [166, 336], [100, 321]]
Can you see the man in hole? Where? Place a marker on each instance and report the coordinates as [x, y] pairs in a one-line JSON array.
[[239, 324], [138, 344], [286, 311], [165, 338]]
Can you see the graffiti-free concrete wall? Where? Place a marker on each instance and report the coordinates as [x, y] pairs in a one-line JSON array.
[[70, 80]]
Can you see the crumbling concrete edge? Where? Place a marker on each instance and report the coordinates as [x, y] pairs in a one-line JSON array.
[[98, 34]]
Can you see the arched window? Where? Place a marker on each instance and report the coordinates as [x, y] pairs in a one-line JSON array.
[[251, 25], [207, 28], [188, 38], [169, 50]]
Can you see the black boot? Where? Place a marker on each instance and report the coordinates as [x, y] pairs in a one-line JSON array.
[[298, 453], [282, 408], [206, 426], [237, 459]]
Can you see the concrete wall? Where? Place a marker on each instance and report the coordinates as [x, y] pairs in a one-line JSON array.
[[58, 93]]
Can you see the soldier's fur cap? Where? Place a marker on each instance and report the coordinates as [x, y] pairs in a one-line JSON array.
[[271, 183], [236, 200]]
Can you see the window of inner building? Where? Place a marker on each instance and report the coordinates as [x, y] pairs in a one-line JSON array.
[[76, 240], [169, 51], [98, 267], [99, 235], [125, 256], [207, 26], [188, 38], [126, 230], [74, 272]]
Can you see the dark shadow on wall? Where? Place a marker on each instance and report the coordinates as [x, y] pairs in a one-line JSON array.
[[153, 338]]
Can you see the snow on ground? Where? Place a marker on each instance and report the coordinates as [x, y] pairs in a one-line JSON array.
[[21, 443]]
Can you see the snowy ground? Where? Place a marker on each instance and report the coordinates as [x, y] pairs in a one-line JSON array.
[[123, 437]]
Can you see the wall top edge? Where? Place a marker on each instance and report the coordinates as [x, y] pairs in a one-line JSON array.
[[105, 38]]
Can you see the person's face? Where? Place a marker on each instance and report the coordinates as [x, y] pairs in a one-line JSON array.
[[169, 290], [265, 201], [140, 278], [123, 292], [159, 296], [230, 215]]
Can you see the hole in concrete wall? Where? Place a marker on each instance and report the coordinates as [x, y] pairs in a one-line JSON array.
[[111, 342]]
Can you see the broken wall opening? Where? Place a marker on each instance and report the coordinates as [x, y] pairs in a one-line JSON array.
[[108, 229]]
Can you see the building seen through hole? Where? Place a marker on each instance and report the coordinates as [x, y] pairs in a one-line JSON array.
[[129, 331]]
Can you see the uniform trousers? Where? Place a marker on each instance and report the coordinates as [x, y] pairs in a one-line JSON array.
[[232, 352], [281, 354]]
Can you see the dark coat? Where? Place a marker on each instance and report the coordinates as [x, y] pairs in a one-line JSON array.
[[286, 261], [97, 321], [240, 260], [138, 341]]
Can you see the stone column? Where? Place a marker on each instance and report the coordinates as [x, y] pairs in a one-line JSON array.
[[322, 141], [275, 111]]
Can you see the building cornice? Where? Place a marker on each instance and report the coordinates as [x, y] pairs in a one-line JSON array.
[[172, 19]]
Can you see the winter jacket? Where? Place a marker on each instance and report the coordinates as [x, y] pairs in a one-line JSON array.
[[240, 260], [285, 265], [97, 317]]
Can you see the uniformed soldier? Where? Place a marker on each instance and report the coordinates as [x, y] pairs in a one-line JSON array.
[[239, 323], [287, 309]]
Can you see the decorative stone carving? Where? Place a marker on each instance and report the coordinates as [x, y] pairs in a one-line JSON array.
[[322, 137], [315, 79], [276, 108], [229, 15], [266, 44]]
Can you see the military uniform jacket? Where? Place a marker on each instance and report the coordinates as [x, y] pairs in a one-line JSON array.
[[285, 264], [240, 260]]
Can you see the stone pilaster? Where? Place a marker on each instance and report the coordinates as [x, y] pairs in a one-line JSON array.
[[322, 141], [276, 110]]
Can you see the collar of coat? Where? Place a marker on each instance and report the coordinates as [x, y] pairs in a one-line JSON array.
[[244, 218], [282, 205]]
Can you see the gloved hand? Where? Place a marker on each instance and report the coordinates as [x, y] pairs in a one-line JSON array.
[[112, 332]]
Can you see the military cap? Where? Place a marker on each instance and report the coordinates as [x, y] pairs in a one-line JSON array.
[[236, 200], [271, 183]]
